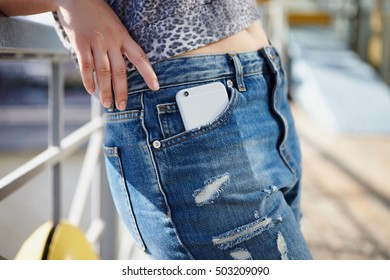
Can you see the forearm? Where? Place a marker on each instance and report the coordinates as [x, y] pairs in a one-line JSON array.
[[26, 7]]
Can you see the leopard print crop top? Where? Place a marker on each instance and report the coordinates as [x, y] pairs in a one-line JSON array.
[[165, 28]]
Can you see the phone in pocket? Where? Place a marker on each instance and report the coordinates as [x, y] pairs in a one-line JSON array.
[[201, 105]]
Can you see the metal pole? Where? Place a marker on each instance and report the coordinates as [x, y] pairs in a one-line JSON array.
[[278, 25], [385, 65], [102, 205], [363, 28], [56, 128]]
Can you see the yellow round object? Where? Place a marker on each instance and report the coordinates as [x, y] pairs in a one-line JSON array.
[[33, 247], [67, 243]]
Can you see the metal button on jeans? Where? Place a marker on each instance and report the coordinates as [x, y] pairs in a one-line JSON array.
[[156, 144]]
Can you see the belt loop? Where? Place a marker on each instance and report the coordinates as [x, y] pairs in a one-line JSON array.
[[239, 71], [270, 56]]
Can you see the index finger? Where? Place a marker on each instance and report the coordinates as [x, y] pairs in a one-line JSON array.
[[140, 60]]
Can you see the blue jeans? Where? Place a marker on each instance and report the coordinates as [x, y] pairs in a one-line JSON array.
[[227, 190]]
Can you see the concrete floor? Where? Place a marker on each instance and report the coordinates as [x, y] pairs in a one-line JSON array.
[[346, 193]]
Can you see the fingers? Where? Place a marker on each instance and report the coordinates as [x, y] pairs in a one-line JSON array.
[[119, 78], [138, 57], [99, 45], [108, 67], [111, 73]]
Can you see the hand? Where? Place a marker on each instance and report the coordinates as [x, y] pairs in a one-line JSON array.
[[99, 40]]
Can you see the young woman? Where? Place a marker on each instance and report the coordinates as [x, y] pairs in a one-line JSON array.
[[228, 189]]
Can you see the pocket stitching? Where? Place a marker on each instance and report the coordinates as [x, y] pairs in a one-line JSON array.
[[124, 116], [114, 152], [162, 112], [187, 135]]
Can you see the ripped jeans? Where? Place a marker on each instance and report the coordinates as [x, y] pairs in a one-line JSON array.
[[227, 190]]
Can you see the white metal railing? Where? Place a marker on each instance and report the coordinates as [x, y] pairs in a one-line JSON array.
[[275, 23], [20, 40], [353, 21]]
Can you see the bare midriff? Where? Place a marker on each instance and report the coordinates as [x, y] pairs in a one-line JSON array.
[[250, 39]]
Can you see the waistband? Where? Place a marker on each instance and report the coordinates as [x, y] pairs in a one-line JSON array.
[[195, 68]]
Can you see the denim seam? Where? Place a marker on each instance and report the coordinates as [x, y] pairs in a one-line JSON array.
[[238, 71], [185, 136], [110, 151], [169, 214], [123, 116], [225, 76], [282, 146], [116, 154], [162, 113], [161, 122], [283, 149], [281, 117]]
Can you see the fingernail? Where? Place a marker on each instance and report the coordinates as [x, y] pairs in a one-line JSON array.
[[107, 103], [155, 85], [122, 105], [90, 91]]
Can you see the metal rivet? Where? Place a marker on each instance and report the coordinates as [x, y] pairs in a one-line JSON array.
[[156, 144], [229, 83]]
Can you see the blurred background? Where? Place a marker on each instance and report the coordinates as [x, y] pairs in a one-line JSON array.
[[337, 58]]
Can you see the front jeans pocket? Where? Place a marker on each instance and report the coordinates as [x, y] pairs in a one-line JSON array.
[[120, 192], [172, 125]]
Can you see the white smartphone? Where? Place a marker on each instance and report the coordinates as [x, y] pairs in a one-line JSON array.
[[202, 104]]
